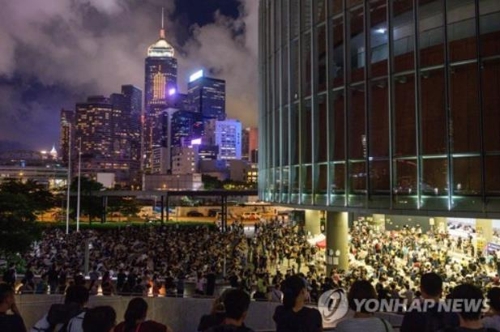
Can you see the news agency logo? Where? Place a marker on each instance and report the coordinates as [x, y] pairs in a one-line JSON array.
[[333, 305]]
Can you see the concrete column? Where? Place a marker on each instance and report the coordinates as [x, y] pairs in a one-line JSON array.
[[440, 224], [313, 222], [337, 229], [379, 220], [484, 232]]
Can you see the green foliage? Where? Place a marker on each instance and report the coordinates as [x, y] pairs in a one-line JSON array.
[[90, 205], [211, 182], [126, 206], [18, 204]]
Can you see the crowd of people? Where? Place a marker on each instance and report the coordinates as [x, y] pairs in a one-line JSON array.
[[292, 315], [161, 260]]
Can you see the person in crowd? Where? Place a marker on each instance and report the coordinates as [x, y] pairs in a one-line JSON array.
[[469, 315], [293, 315], [10, 318], [107, 284], [211, 278], [99, 319], [10, 275], [200, 284], [364, 320], [135, 319], [492, 317], [42, 286], [408, 295], [67, 316], [431, 288], [216, 316], [29, 277], [275, 294], [236, 304]]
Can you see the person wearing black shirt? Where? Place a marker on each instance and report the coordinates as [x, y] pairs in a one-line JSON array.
[[470, 316], [210, 282], [233, 280], [9, 322], [431, 287], [293, 315], [120, 280]]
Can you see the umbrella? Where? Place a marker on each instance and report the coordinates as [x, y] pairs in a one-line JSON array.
[[321, 244]]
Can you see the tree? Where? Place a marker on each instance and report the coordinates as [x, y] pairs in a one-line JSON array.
[[90, 205], [124, 206], [210, 182], [18, 204]]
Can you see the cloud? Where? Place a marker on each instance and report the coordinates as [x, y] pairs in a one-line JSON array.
[[226, 48], [73, 48]]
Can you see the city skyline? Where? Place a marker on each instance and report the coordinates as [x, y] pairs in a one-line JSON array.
[[33, 97]]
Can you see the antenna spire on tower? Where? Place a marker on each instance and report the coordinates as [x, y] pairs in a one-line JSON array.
[[162, 31]]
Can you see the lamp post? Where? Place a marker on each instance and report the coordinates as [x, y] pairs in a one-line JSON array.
[[68, 181], [79, 185]]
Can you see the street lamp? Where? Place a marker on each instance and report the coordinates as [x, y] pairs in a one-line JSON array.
[[79, 185], [68, 180]]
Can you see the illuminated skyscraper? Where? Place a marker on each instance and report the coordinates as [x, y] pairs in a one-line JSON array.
[[250, 144], [207, 96], [94, 128], [67, 119], [160, 87], [133, 109], [226, 135], [103, 147]]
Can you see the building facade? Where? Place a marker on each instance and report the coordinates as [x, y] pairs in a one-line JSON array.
[[43, 167], [250, 144], [99, 136], [66, 134], [226, 135], [207, 96], [185, 160], [133, 107], [160, 91], [388, 106]]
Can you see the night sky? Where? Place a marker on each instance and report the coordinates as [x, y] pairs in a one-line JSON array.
[[54, 53]]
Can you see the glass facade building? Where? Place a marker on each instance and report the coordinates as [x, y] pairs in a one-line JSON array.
[[208, 97], [381, 105]]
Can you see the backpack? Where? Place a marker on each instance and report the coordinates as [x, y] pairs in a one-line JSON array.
[[61, 314]]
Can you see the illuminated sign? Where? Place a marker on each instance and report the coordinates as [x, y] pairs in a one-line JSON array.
[[196, 141], [195, 76]]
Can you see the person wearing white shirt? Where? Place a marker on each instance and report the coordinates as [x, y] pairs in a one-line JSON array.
[[363, 319]]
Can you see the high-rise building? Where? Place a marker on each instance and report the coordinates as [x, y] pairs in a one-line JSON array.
[[133, 109], [159, 91], [67, 122], [386, 111], [207, 96], [185, 160], [249, 144], [227, 136], [185, 127], [94, 132], [100, 137]]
